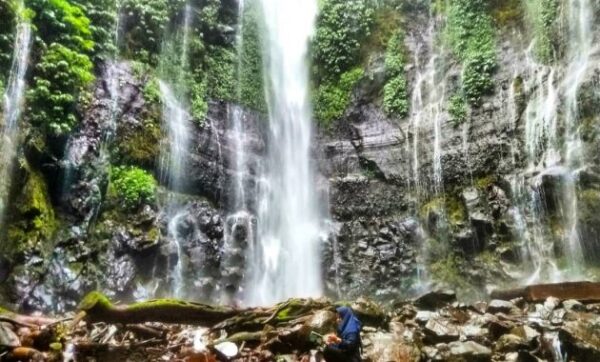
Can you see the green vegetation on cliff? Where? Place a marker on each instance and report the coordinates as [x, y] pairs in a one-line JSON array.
[[470, 34], [342, 26], [61, 79], [544, 17], [395, 90], [132, 186]]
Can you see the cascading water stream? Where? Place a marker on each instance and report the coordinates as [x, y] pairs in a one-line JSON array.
[[12, 105], [427, 105], [284, 261], [239, 227], [542, 155], [580, 49], [555, 155], [172, 162], [174, 149]]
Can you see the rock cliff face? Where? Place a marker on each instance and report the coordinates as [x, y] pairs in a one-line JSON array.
[[476, 228]]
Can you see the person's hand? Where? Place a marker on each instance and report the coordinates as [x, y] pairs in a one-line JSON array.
[[332, 339]]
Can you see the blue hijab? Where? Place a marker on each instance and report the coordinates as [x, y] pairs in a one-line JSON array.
[[350, 324]]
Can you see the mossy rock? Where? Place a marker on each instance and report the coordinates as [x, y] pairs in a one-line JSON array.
[[140, 145], [93, 300], [448, 205], [32, 220]]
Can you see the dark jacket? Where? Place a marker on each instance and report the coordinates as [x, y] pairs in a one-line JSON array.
[[349, 332]]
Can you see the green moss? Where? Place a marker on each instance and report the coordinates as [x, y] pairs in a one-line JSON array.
[[483, 183], [448, 205], [93, 300], [507, 12], [448, 271], [470, 34], [32, 220], [140, 145]]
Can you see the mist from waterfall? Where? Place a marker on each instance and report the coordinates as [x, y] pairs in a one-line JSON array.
[[13, 104], [284, 261]]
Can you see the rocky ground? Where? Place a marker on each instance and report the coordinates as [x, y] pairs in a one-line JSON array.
[[433, 327]]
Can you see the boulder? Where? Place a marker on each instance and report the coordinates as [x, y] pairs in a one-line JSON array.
[[438, 330], [435, 299], [581, 339], [469, 351], [8, 337], [499, 306]]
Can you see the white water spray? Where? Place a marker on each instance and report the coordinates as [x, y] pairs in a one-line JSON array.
[[284, 261]]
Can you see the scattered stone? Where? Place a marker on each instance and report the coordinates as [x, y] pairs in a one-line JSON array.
[[529, 335], [500, 306], [8, 337], [436, 299], [573, 305], [510, 343], [440, 330], [469, 351]]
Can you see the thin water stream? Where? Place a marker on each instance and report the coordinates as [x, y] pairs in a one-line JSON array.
[[12, 105]]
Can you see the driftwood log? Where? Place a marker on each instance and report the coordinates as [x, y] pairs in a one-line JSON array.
[[581, 291]]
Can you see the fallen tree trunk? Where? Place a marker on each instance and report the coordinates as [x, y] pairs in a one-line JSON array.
[[581, 291], [98, 308]]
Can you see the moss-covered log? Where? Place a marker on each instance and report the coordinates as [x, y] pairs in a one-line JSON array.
[[98, 308]]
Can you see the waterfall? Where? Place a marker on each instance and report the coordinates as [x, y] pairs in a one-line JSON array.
[[239, 224], [284, 261], [173, 151], [428, 104], [12, 105], [172, 166], [580, 48], [555, 151], [542, 155]]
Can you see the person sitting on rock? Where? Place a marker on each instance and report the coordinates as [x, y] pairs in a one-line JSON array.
[[345, 346]]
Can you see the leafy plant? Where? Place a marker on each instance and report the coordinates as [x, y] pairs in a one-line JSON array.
[[395, 92], [103, 20], [341, 27], [60, 21], [332, 97], [144, 22], [133, 185], [471, 36], [61, 79], [457, 109]]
